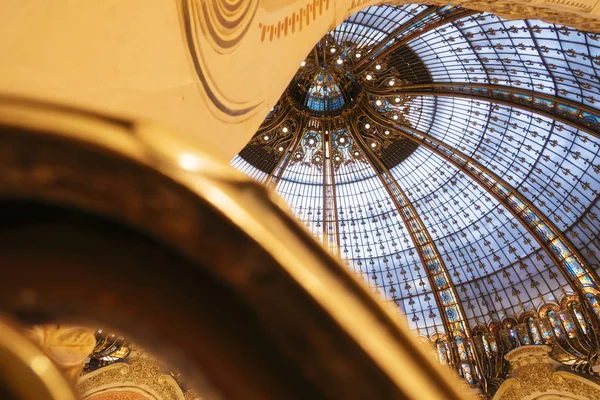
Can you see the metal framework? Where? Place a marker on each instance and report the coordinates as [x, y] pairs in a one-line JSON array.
[[398, 70], [284, 160], [392, 36], [331, 235], [443, 288], [569, 261], [580, 116], [425, 21]]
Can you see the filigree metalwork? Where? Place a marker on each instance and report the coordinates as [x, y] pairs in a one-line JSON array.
[[141, 371], [323, 97], [566, 257], [439, 278], [430, 18], [567, 328], [570, 112], [364, 99], [109, 349]]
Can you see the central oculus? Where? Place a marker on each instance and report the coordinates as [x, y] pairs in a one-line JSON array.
[[323, 84]]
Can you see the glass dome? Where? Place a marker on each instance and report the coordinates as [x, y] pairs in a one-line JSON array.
[[324, 94], [461, 182]]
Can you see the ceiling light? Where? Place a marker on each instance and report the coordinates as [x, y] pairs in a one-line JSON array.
[[357, 55], [395, 117], [280, 148], [342, 140], [378, 67], [369, 77], [378, 102], [303, 63], [397, 99], [189, 162], [311, 141], [367, 126], [386, 132], [340, 61], [392, 82], [373, 144], [332, 50], [285, 129], [266, 137]]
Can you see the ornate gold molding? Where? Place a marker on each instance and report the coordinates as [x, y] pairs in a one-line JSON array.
[[142, 374], [581, 14], [535, 377]]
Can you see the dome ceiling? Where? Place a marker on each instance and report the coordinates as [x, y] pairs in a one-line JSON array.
[[449, 157]]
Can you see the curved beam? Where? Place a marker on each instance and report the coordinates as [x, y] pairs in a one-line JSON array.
[[561, 251], [465, 86], [331, 237], [455, 14], [453, 316], [272, 123], [277, 172], [579, 116], [237, 246], [578, 273], [392, 35]]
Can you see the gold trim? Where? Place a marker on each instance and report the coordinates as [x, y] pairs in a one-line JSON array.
[[26, 371]]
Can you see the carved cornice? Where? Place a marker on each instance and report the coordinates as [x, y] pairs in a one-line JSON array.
[[581, 14], [141, 374], [536, 378]]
